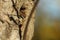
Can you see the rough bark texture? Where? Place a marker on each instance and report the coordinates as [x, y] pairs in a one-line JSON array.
[[14, 15]]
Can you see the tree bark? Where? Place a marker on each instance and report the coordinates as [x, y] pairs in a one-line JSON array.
[[16, 21]]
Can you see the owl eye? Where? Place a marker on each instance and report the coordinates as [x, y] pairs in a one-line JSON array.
[[22, 8]]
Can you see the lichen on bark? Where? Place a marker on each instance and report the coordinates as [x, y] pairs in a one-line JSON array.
[[14, 15]]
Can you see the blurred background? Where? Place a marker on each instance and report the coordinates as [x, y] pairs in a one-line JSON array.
[[47, 23], [36, 30]]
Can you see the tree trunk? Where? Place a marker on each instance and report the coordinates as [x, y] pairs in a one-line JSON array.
[[17, 19]]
